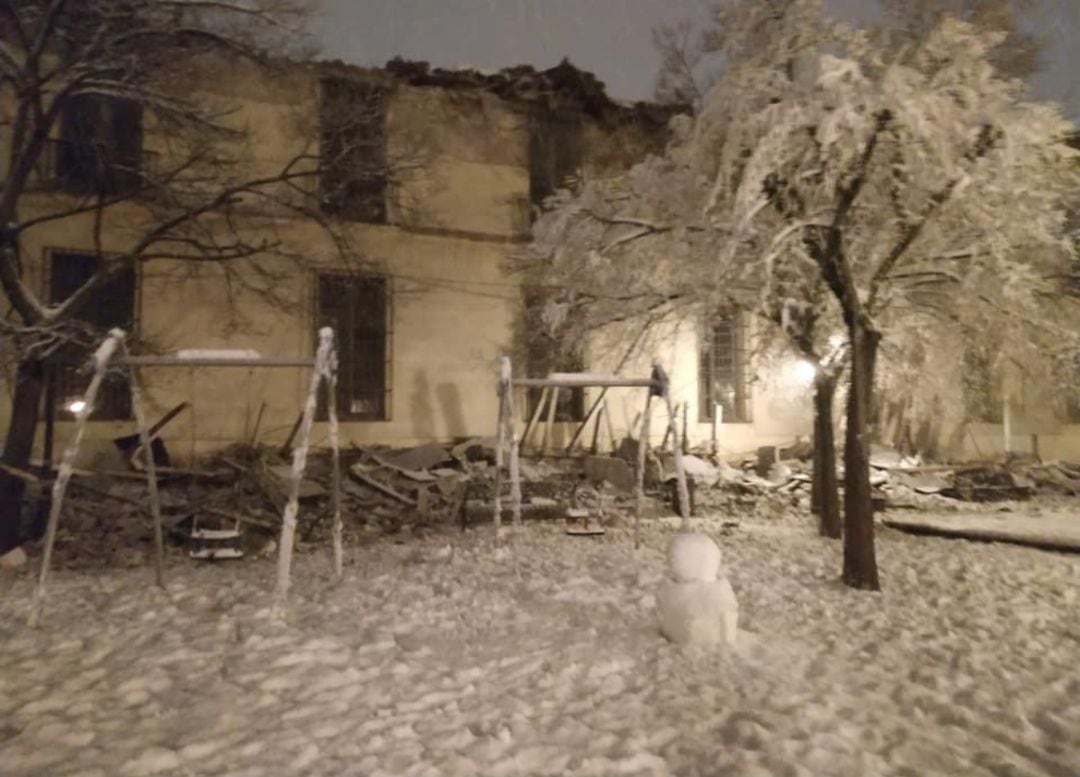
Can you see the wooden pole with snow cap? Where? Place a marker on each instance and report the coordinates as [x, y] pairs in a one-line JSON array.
[[101, 359], [663, 389], [300, 452]]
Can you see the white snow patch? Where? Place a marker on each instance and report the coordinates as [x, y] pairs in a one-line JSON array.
[[964, 664]]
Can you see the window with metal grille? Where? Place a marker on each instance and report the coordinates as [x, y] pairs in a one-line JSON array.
[[100, 147], [113, 305], [357, 307], [352, 149], [723, 370]]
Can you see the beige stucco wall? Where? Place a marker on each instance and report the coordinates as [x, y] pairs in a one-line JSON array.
[[452, 308], [780, 408]]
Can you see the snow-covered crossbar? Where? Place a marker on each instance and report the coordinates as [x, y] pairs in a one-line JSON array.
[[508, 449], [113, 352]]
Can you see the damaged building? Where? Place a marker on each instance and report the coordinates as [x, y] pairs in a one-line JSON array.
[[429, 182]]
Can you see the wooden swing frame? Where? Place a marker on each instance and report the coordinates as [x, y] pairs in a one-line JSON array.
[[113, 351], [508, 448]]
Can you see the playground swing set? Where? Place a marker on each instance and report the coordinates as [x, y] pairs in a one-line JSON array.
[[113, 353]]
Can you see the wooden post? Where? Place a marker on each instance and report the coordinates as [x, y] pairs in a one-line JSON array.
[[717, 419], [1006, 426], [609, 427], [680, 473], [151, 471], [101, 360], [330, 382], [515, 462], [593, 448], [503, 390], [685, 433], [639, 486], [594, 409], [550, 426], [292, 506], [544, 394]]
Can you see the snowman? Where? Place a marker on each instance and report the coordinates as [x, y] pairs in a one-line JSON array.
[[695, 603]]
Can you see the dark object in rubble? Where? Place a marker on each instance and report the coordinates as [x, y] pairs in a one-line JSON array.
[[673, 496], [129, 444], [988, 485]]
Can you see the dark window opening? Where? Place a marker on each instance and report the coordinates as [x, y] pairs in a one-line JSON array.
[[555, 154], [352, 142], [113, 305], [356, 306], [100, 146], [723, 371]]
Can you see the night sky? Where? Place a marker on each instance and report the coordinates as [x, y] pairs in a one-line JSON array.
[[611, 38]]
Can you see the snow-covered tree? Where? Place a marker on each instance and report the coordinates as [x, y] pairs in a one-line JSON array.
[[827, 178], [909, 183]]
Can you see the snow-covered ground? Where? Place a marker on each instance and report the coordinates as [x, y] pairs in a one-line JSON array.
[[437, 657]]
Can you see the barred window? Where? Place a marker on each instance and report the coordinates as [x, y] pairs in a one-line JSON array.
[[723, 370], [357, 307]]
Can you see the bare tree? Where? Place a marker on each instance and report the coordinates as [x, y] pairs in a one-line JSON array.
[[71, 73]]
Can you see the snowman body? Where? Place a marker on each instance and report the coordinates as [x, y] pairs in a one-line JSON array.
[[696, 604]]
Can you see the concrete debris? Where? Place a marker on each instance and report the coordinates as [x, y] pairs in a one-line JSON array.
[[419, 458], [13, 559], [475, 449], [700, 471]]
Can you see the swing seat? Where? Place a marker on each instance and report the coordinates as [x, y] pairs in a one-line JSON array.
[[212, 544], [579, 523]]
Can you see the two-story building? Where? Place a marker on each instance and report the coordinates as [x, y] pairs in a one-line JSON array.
[[429, 185]]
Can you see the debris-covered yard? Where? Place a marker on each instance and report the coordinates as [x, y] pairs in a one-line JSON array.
[[442, 654]]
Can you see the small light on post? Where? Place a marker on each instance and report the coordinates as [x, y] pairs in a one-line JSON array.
[[76, 407]]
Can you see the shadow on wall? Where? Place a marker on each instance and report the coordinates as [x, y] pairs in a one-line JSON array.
[[450, 405], [422, 410], [421, 414]]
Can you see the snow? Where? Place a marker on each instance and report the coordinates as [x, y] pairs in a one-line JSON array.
[[696, 606], [693, 556], [434, 657], [698, 613], [217, 354]]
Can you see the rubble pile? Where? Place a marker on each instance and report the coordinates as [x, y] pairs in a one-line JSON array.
[[387, 491]]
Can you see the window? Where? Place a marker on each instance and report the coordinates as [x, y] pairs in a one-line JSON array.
[[113, 306], [100, 147], [554, 154], [722, 371], [357, 307], [352, 143]]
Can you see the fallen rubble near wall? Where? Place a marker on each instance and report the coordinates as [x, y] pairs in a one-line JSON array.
[[387, 491]]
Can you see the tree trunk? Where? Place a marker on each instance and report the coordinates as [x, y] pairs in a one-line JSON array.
[[824, 492], [860, 562], [29, 385]]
